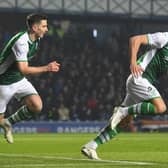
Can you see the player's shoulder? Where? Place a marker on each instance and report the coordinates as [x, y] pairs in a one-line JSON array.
[[20, 41], [22, 37], [158, 34]]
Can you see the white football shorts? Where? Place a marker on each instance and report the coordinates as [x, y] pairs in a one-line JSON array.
[[19, 90], [139, 89]]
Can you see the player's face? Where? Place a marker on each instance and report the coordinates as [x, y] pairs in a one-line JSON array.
[[41, 29]]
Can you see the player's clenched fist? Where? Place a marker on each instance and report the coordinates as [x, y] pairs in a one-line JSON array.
[[53, 66]]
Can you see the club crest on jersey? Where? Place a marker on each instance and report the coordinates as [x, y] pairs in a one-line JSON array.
[[149, 89]]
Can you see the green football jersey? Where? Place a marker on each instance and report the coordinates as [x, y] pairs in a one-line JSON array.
[[155, 61], [18, 49]]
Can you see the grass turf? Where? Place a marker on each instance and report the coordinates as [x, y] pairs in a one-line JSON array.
[[63, 151]]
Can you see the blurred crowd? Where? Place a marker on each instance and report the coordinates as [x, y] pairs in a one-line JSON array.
[[92, 77]]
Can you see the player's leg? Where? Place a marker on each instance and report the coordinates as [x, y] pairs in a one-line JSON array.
[[105, 135], [150, 101], [112, 129], [32, 103], [32, 106], [159, 104], [154, 106], [5, 124], [6, 93], [136, 92]]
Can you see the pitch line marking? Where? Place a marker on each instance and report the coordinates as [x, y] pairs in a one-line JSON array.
[[77, 159], [35, 165]]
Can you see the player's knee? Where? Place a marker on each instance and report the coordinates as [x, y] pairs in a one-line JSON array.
[[36, 107], [161, 109]]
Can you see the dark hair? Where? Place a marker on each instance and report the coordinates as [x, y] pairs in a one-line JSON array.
[[34, 18]]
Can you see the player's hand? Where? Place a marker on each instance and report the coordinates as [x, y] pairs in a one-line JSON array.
[[136, 70], [53, 66]]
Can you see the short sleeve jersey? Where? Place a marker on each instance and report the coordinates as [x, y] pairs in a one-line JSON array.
[[19, 49], [155, 61]]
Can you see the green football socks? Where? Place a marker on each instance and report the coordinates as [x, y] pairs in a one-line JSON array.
[[142, 108], [106, 135], [21, 114]]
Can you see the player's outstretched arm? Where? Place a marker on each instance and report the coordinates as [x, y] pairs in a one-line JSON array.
[[26, 69]]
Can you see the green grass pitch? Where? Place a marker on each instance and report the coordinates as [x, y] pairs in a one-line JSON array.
[[128, 150]]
